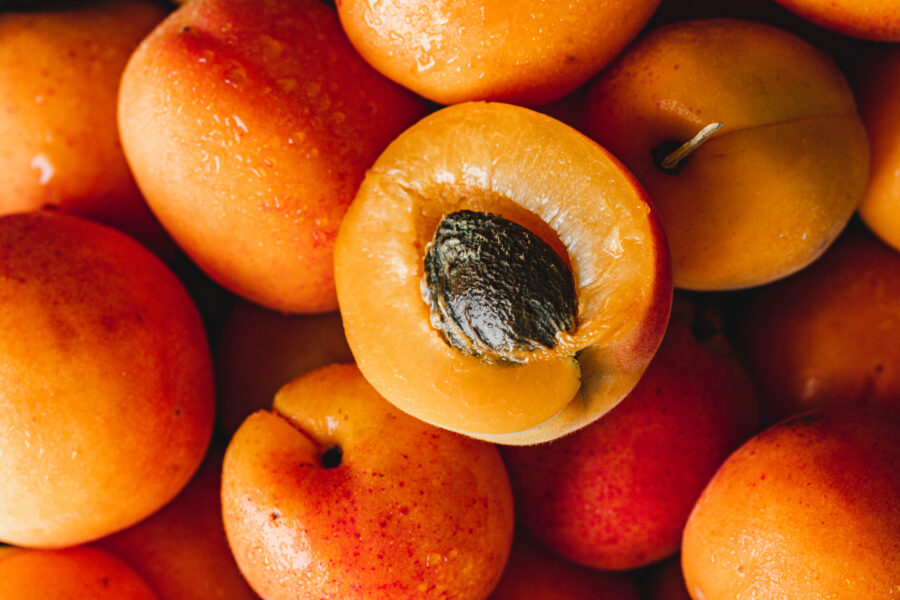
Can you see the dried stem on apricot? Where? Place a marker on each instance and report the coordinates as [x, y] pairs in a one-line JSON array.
[[669, 156]]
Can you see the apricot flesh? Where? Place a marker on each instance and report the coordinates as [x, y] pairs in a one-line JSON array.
[[59, 78], [249, 126], [531, 169], [807, 509], [106, 399], [337, 494], [771, 189]]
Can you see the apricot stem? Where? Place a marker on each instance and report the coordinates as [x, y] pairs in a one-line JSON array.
[[672, 160]]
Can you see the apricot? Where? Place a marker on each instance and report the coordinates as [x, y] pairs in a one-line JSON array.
[[878, 91], [535, 573], [337, 494], [249, 126], [260, 351], [106, 400], [181, 550], [75, 574], [477, 360], [616, 494], [828, 334], [59, 80], [807, 509], [518, 52], [766, 193], [870, 19]]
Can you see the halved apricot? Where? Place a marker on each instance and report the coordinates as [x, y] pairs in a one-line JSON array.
[[531, 170]]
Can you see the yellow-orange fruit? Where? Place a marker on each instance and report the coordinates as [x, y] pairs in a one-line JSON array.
[[249, 126], [514, 51], [827, 335], [335, 494], [877, 85], [74, 574], [533, 170], [769, 191], [59, 140], [805, 510], [181, 550], [106, 401], [870, 19]]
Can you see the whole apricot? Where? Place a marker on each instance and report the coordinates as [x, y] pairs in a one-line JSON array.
[[501, 275], [805, 510], [508, 50], [870, 19], [181, 550], [75, 574], [827, 335], [877, 84], [249, 126], [616, 494], [762, 196], [106, 399], [59, 79], [336, 494]]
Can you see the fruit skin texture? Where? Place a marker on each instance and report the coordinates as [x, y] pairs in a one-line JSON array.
[[615, 495], [260, 351], [59, 79], [827, 335], [869, 19], [807, 509], [106, 399], [535, 573], [516, 51], [412, 511], [249, 126], [540, 173], [767, 193], [181, 550], [84, 573], [877, 84]]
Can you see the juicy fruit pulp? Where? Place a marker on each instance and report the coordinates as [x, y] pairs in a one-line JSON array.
[[533, 170]]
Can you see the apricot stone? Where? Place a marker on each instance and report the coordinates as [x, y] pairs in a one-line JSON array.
[[106, 399]]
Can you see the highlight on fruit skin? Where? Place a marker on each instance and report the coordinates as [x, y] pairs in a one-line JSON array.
[[524, 167]]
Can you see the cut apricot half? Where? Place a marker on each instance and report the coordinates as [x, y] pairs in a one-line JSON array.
[[507, 164]]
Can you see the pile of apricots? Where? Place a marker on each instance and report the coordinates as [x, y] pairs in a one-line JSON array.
[[446, 299]]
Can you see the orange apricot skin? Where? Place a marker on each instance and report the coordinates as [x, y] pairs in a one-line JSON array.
[[260, 351], [807, 509], [767, 193], [877, 20], [106, 387], [412, 511], [877, 84], [84, 573], [827, 336], [454, 51], [181, 550], [59, 80], [498, 158], [249, 126]]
